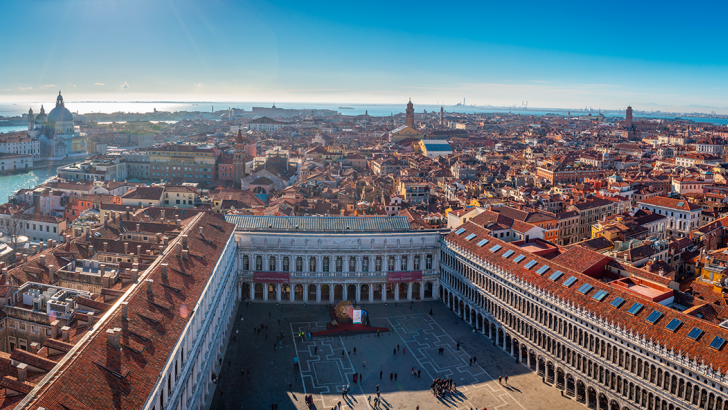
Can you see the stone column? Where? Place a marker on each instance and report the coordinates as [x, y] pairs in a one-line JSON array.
[[411, 262], [422, 291], [384, 291], [512, 352], [278, 292], [292, 292], [252, 291], [358, 265], [371, 292], [319, 264], [318, 292], [397, 263], [490, 332], [331, 293], [396, 291], [482, 328], [409, 290], [344, 291], [305, 292], [358, 292], [265, 291]]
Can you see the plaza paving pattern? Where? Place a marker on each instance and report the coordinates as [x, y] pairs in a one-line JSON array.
[[327, 364]]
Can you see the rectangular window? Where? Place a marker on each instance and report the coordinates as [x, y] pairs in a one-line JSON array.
[[695, 333], [554, 276], [653, 317], [635, 309], [673, 325], [585, 288], [570, 281]]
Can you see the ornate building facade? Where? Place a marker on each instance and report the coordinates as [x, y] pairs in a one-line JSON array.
[[323, 259], [602, 345], [59, 138]]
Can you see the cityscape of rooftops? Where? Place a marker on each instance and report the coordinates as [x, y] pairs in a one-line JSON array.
[[254, 204]]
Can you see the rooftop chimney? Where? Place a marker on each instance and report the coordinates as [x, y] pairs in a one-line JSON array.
[[137, 227], [126, 247], [35, 347], [139, 250], [42, 260], [185, 253], [65, 333], [124, 310], [35, 249], [162, 214], [22, 372], [90, 250], [102, 269], [150, 289], [201, 232], [106, 246], [164, 270], [184, 240], [179, 250], [113, 337], [54, 328], [51, 273], [134, 275]]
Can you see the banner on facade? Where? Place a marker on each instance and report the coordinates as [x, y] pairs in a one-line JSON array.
[[272, 277], [397, 277], [356, 319]]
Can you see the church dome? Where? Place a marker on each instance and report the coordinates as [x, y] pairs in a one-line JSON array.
[[60, 113]]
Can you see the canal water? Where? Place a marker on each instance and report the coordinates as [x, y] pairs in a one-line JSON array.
[[29, 179]]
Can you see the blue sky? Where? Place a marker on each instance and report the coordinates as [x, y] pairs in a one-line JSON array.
[[552, 54]]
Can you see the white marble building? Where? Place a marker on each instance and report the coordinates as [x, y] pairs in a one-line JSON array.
[[326, 259]]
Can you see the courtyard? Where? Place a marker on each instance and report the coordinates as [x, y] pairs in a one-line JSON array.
[[328, 364]]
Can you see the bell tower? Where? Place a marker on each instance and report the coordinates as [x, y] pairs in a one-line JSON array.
[[31, 120], [410, 115]]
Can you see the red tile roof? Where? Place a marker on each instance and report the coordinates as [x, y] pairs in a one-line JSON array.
[[100, 376]]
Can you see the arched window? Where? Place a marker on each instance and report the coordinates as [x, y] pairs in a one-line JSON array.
[[352, 264], [246, 262], [365, 264], [299, 264], [390, 264], [326, 263], [378, 264], [272, 264], [339, 264], [286, 264], [428, 263], [258, 263], [403, 263], [418, 261], [312, 264]]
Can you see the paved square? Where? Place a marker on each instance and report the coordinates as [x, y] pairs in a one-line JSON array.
[[328, 364]]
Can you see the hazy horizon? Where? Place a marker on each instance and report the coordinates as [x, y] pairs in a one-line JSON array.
[[573, 55]]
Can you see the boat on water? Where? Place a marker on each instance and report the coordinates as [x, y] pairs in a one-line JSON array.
[[346, 108]]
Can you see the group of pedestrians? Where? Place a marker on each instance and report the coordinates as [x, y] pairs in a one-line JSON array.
[[441, 387]]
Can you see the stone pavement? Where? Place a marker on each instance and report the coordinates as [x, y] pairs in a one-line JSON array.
[[327, 364]]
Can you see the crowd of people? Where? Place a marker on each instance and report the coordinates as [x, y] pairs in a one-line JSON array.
[[441, 387]]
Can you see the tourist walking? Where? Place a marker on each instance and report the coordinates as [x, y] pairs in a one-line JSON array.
[[380, 375], [506, 379], [391, 376]]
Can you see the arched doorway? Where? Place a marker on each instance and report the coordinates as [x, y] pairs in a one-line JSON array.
[[560, 379], [377, 291], [580, 392], [365, 292], [615, 406], [390, 291], [533, 361], [428, 290], [312, 292], [416, 290], [325, 291], [603, 402], [550, 373], [403, 291], [285, 292], [338, 292], [351, 292], [246, 290], [271, 291], [570, 386], [591, 398], [298, 293], [259, 291], [541, 367]]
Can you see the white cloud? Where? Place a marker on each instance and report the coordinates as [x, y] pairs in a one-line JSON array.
[[124, 86], [48, 86], [99, 84], [198, 85], [24, 88], [72, 85]]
